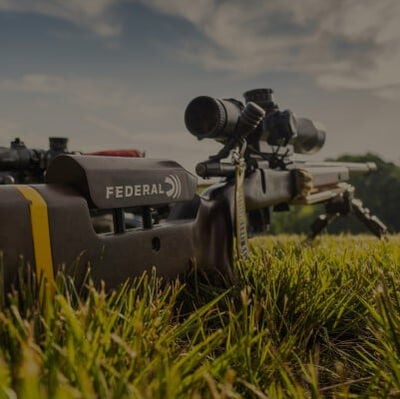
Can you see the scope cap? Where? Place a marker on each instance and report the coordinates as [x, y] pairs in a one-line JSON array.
[[262, 97], [58, 143]]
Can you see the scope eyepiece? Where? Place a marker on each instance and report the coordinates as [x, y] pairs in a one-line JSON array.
[[310, 139]]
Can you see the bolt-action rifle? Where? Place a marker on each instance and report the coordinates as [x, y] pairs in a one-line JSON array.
[[22, 165], [50, 224]]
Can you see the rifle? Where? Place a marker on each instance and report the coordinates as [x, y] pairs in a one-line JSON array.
[[21, 165], [50, 224]]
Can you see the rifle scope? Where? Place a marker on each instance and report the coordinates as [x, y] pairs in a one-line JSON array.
[[19, 158], [218, 119]]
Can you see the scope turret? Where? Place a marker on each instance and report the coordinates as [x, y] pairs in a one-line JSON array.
[[16, 157]]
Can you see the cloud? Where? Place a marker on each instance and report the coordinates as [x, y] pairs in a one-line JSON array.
[[390, 92], [128, 110], [8, 129], [342, 44], [85, 92], [353, 44], [93, 15]]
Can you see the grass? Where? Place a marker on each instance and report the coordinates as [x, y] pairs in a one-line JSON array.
[[300, 322]]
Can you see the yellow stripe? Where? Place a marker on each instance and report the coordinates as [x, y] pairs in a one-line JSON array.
[[40, 234]]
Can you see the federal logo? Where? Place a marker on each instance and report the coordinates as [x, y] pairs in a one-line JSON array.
[[176, 186], [171, 187]]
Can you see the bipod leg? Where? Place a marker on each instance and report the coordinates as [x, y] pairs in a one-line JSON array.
[[321, 223], [372, 222]]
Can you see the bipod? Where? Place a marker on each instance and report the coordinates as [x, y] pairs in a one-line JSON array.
[[343, 205]]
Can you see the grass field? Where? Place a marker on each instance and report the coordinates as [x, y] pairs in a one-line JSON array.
[[301, 321]]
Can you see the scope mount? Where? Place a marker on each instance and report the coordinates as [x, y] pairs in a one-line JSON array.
[[214, 166]]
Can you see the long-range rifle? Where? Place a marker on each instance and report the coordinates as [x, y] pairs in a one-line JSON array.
[[22, 165], [50, 224]]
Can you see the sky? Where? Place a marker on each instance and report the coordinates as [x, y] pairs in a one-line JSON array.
[[120, 73]]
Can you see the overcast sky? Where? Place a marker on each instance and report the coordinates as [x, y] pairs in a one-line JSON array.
[[119, 74]]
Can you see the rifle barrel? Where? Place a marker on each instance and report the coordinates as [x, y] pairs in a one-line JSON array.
[[354, 168]]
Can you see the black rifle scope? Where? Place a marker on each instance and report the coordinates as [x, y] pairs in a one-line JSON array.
[[20, 164], [19, 157], [218, 119]]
